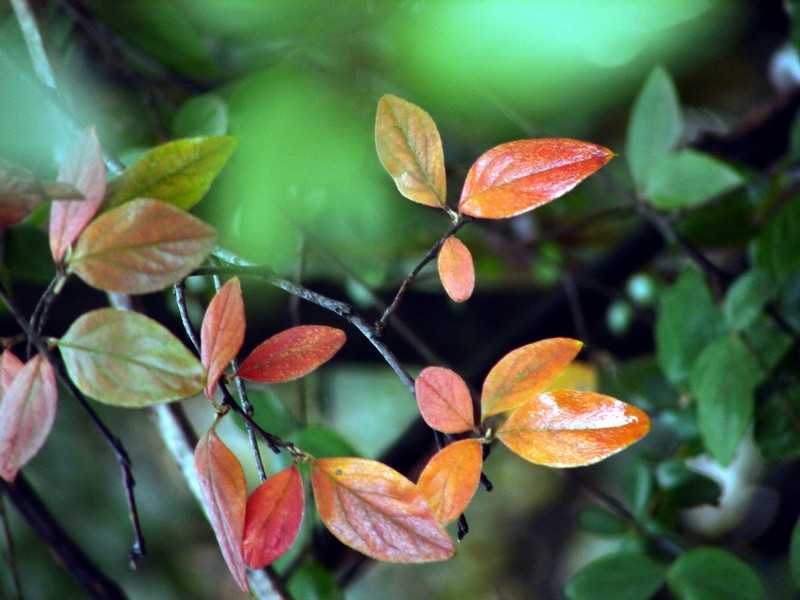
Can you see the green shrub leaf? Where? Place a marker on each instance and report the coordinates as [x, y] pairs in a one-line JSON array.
[[620, 576], [712, 574]]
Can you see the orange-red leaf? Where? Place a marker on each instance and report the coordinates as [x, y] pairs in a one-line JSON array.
[[26, 415], [571, 429], [140, 247], [86, 171], [451, 477], [224, 491], [516, 177], [374, 509], [222, 332], [292, 353], [456, 269], [524, 372], [410, 149], [444, 400], [273, 517], [10, 365]]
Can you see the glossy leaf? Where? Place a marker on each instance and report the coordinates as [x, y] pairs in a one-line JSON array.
[[516, 177], [126, 359], [178, 172], [456, 269], [524, 372], [140, 247], [711, 574], [26, 415], [273, 516], [292, 353], [655, 127], [375, 510], [689, 178], [451, 477], [444, 400], [224, 491], [10, 366], [618, 576], [410, 149], [571, 429], [222, 332], [86, 171]]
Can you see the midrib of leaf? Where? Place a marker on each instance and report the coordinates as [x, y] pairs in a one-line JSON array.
[[121, 357], [414, 155]]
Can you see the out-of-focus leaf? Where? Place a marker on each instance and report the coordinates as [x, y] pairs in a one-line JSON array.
[[27, 413], [140, 247], [224, 491], [688, 320], [222, 332], [723, 383], [711, 574], [86, 171], [619, 576], [451, 477], [375, 510], [20, 193], [178, 172], [27, 253], [456, 269], [312, 581], [639, 486], [794, 555], [410, 149], [777, 433], [272, 518], [746, 299], [688, 178], [444, 400], [571, 429], [600, 521], [10, 366], [687, 488], [205, 115], [655, 127], [524, 372], [126, 359], [292, 353], [516, 177], [778, 247]]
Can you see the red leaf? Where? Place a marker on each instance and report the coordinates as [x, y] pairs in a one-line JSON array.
[[516, 177], [224, 491], [222, 332], [444, 400], [571, 429], [377, 511], [86, 171], [273, 517], [292, 354], [451, 477], [10, 365], [26, 415], [456, 269], [524, 372]]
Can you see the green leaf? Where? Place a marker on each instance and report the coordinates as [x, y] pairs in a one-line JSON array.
[[312, 581], [713, 574], [686, 487], [746, 299], [794, 555], [600, 521], [688, 319], [178, 172], [639, 486], [655, 126], [777, 430], [767, 342], [723, 383], [205, 115], [688, 178], [126, 359], [778, 247], [620, 576]]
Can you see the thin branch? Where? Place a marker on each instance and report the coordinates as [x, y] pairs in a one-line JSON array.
[[33, 41]]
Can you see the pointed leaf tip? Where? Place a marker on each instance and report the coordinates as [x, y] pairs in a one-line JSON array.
[[456, 270], [222, 332], [375, 510], [515, 177], [444, 400]]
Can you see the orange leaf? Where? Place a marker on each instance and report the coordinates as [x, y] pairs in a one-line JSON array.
[[451, 477], [410, 149], [516, 177], [224, 491], [374, 509], [222, 332], [86, 171], [292, 353], [141, 246], [524, 372], [444, 400], [273, 516], [26, 415], [456, 269], [10, 365], [571, 429]]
